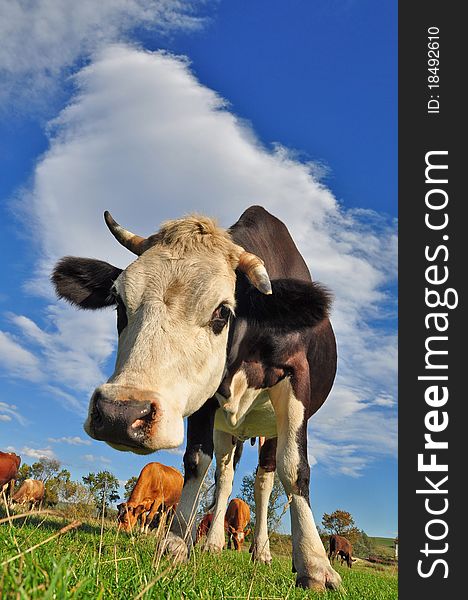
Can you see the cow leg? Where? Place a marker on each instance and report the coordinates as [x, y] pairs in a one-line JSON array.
[[143, 517], [151, 514], [264, 480], [224, 447], [197, 459], [309, 557]]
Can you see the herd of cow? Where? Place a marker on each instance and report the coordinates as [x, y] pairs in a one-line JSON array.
[[31, 491], [156, 494], [226, 328]]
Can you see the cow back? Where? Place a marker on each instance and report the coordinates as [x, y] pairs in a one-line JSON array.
[[158, 482]]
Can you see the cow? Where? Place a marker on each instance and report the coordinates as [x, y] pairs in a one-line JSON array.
[[157, 489], [9, 465], [204, 526], [237, 518], [227, 328], [340, 546], [30, 492]]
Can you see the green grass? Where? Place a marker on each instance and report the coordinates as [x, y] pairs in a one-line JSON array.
[[82, 564]]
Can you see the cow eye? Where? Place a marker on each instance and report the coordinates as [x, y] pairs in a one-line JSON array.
[[220, 318]]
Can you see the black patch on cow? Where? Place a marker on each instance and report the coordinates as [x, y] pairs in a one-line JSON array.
[[238, 451], [85, 282], [267, 457], [303, 468], [122, 320], [199, 437], [293, 305]]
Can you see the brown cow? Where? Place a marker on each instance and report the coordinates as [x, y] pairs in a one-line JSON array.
[[237, 518], [204, 526], [158, 488], [342, 547], [9, 465], [30, 492]]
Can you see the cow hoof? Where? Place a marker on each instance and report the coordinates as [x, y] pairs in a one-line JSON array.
[[212, 548], [261, 557], [329, 579], [175, 547]]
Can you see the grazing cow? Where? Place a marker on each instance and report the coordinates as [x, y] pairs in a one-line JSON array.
[[340, 546], [204, 526], [237, 518], [9, 465], [30, 492], [224, 327], [158, 489]]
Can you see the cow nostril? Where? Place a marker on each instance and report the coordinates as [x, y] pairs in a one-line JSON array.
[[144, 419]]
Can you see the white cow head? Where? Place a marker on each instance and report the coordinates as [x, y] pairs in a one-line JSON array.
[[174, 305]]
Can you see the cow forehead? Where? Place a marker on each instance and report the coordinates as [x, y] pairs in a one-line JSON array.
[[199, 278]]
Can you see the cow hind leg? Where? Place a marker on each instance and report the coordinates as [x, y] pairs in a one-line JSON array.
[[197, 459], [264, 480], [309, 557], [224, 448]]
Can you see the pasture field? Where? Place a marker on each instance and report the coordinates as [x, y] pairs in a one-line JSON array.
[[384, 546], [84, 562]]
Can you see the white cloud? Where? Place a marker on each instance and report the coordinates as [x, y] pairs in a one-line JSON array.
[[8, 412], [16, 360], [71, 440], [37, 453], [91, 458], [42, 38], [144, 139]]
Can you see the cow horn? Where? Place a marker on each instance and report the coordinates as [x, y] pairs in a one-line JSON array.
[[254, 268], [132, 242]]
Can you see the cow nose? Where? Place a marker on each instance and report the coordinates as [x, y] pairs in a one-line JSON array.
[[123, 422]]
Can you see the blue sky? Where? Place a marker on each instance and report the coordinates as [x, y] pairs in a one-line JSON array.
[[290, 105]]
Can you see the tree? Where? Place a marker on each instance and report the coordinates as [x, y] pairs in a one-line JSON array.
[[131, 483], [45, 469], [103, 487], [24, 472], [339, 522], [277, 500], [59, 488]]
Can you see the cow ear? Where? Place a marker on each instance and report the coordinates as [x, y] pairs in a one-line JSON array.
[[85, 282], [292, 306], [231, 529], [247, 531]]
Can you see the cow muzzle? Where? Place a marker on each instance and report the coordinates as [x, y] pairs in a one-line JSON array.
[[126, 424]]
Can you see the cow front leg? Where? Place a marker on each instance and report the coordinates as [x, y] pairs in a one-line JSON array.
[[197, 459], [309, 557], [264, 480], [151, 514], [224, 448], [143, 521]]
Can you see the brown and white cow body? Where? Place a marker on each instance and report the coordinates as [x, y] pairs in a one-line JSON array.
[[236, 520], [31, 492], [340, 546], [9, 465], [224, 327], [157, 490]]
